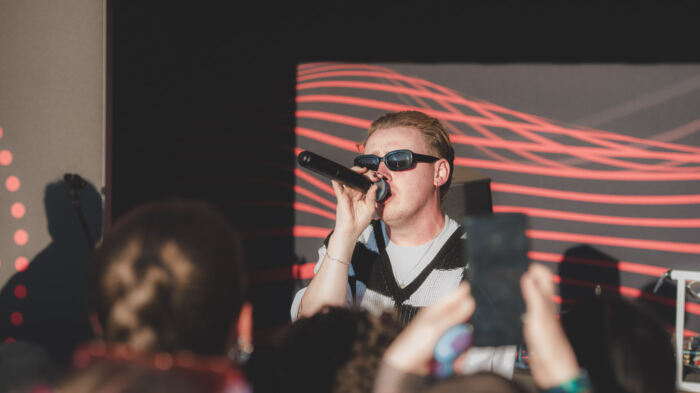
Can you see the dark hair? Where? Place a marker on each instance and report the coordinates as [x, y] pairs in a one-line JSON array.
[[335, 350], [480, 382], [126, 377], [622, 345], [167, 277]]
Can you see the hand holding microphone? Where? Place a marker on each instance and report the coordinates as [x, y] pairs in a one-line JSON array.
[[341, 174]]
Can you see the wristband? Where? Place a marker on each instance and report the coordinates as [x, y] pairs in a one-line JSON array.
[[580, 384], [336, 259]]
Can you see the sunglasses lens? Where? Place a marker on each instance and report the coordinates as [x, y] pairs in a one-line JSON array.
[[399, 160], [369, 162]]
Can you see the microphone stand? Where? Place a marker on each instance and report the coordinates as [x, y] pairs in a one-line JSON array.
[[75, 184]]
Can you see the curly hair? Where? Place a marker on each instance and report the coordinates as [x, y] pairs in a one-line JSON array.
[[335, 350], [169, 276]]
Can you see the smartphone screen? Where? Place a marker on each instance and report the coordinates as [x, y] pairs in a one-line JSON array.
[[496, 254]]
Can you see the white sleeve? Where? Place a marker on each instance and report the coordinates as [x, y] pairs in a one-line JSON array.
[[500, 360], [296, 302]]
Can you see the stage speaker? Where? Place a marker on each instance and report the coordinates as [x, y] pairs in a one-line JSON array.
[[469, 195]]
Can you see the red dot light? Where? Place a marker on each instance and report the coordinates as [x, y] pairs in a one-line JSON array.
[[16, 318], [20, 291], [21, 264], [12, 183], [21, 237], [0, 132], [5, 157], [17, 210]]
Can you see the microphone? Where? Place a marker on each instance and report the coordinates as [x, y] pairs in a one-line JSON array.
[[341, 174]]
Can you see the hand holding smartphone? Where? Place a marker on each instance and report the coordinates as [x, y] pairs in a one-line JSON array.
[[496, 256]]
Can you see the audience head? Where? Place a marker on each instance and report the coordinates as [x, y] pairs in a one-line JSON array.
[[481, 382], [125, 377], [25, 365], [335, 350], [623, 346], [168, 276]]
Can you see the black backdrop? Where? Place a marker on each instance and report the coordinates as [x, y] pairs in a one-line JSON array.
[[201, 94]]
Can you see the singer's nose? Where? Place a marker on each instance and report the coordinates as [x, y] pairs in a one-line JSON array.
[[383, 172]]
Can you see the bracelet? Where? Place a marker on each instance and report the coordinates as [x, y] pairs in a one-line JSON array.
[[336, 259], [580, 384]]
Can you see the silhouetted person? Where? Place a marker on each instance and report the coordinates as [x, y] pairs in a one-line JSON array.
[[55, 310], [622, 345]]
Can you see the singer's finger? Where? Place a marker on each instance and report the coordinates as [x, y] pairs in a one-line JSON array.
[[371, 195], [338, 189]]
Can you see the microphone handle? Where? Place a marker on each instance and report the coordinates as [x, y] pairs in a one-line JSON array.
[[337, 172]]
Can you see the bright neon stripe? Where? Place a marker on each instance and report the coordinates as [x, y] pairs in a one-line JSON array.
[[317, 183], [381, 75], [686, 248], [545, 145], [306, 66], [580, 151], [692, 308], [386, 88], [327, 139], [313, 210], [344, 66], [311, 195], [576, 172], [490, 153], [524, 116], [549, 128], [601, 219], [597, 198], [295, 231], [628, 267], [335, 118], [293, 272]]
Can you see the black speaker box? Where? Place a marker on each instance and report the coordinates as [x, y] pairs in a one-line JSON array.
[[469, 195]]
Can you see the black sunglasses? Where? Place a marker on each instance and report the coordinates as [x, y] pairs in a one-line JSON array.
[[397, 160]]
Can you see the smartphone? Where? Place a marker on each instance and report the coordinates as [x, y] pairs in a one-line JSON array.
[[496, 258]]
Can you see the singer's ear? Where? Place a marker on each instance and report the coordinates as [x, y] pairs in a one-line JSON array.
[[442, 172]]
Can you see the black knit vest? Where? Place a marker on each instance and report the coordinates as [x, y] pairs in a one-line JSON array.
[[374, 270]]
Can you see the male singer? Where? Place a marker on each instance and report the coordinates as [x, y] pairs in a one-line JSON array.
[[410, 256]]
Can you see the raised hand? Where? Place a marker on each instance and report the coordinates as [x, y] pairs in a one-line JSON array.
[[354, 210], [552, 359]]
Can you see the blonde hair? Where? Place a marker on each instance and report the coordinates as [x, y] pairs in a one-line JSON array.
[[436, 136], [168, 277]]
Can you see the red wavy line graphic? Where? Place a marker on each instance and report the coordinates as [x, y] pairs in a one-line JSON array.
[[629, 292], [296, 231], [317, 183], [601, 219], [545, 145], [628, 267], [518, 167], [294, 272], [303, 191], [343, 66], [589, 136], [334, 117], [576, 173], [327, 139], [686, 248], [597, 198]]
